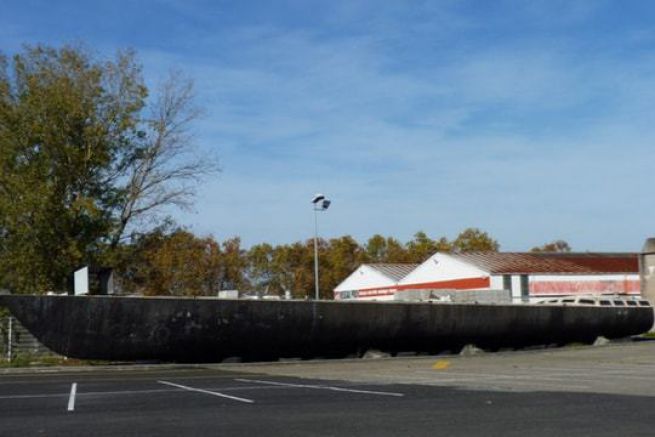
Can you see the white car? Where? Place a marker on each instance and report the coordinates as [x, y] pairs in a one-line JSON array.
[[613, 301]]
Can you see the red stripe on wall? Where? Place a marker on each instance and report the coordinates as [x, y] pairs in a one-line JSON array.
[[457, 284], [369, 293]]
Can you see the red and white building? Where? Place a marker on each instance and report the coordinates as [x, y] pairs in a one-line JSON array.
[[372, 281], [529, 276]]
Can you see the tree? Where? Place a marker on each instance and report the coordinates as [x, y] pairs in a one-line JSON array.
[[474, 240], [559, 246], [376, 249], [343, 255], [175, 264], [421, 247], [294, 267], [280, 269], [233, 265], [386, 250], [81, 160], [443, 245], [160, 168], [63, 121], [260, 269]]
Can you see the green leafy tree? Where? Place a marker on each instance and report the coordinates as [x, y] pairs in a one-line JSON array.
[[64, 123], [443, 245], [474, 240], [343, 255], [284, 266], [421, 247], [294, 267], [233, 265], [82, 159], [260, 267], [376, 249], [386, 250], [177, 264], [559, 246]]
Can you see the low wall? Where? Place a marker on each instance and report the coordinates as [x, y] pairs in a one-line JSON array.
[[459, 296]]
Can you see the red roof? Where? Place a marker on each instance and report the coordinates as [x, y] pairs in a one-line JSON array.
[[572, 263], [393, 271]]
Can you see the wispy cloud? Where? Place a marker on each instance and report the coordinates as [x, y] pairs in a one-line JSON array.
[[530, 120]]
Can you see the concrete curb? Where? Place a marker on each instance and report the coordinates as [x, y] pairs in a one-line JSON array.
[[137, 367]]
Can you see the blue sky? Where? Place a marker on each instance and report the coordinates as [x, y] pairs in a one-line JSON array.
[[532, 120]]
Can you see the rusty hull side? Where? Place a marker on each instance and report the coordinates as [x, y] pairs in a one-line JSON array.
[[209, 330]]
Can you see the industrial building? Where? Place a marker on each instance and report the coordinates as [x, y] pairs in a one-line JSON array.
[[373, 281], [527, 276]]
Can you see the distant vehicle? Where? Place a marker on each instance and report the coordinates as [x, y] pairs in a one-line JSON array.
[[603, 301]]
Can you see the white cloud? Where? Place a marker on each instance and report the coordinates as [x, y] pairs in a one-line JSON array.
[[430, 116], [302, 114]]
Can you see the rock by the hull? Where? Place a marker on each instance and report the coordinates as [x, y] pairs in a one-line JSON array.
[[374, 354], [470, 349]]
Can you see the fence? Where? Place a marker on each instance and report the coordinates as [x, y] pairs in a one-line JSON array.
[[16, 340]]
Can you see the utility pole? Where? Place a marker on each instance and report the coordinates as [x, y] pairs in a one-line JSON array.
[[321, 203]]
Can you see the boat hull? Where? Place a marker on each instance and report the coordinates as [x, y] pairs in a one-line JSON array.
[[209, 330]]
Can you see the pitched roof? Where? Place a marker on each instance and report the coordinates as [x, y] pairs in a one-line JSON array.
[[581, 263], [393, 271]]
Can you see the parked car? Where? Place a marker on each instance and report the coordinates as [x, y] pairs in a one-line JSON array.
[[611, 301]]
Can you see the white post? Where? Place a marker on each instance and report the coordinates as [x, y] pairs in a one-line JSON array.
[[81, 280], [9, 339]]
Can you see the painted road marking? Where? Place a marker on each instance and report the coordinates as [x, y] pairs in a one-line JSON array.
[[441, 365], [128, 392], [212, 393], [71, 397], [321, 387]]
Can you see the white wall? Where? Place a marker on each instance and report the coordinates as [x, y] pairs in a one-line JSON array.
[[442, 267], [377, 295], [372, 285], [364, 277], [516, 288], [558, 285], [497, 282]]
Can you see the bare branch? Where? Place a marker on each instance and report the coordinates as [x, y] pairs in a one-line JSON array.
[[164, 169]]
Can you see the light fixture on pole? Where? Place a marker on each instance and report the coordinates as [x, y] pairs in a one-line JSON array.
[[321, 203]]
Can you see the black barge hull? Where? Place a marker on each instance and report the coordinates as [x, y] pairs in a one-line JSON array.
[[210, 330]]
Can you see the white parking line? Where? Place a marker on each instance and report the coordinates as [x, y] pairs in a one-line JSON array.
[[321, 387], [213, 393], [127, 392], [71, 398]]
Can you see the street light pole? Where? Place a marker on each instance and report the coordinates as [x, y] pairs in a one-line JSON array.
[[321, 203], [316, 295]]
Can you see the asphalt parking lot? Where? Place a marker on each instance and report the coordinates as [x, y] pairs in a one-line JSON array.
[[402, 396], [624, 368]]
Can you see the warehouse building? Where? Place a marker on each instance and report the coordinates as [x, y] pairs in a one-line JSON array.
[[373, 281], [527, 276]]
